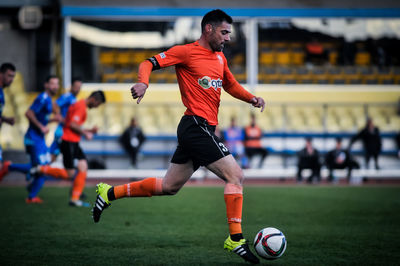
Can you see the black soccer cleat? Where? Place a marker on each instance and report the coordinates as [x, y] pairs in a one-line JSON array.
[[102, 201], [242, 249]]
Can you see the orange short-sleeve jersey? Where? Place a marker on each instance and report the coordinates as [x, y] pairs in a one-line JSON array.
[[76, 113], [201, 75]]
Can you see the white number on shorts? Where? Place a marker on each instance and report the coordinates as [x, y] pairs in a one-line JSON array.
[[224, 149]]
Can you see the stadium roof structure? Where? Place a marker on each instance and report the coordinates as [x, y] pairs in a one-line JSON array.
[[129, 12]]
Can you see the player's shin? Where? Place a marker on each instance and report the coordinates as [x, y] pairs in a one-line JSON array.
[[233, 195], [145, 188], [54, 172], [79, 185]]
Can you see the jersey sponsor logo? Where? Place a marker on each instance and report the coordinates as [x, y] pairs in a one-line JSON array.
[[206, 82], [162, 55]]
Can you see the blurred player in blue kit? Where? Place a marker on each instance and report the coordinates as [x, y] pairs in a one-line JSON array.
[[7, 74], [38, 115]]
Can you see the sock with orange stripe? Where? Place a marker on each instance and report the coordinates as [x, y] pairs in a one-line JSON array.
[[54, 172], [144, 188], [79, 185], [233, 195]]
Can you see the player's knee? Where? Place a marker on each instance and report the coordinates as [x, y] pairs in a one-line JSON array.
[[236, 178], [82, 166]]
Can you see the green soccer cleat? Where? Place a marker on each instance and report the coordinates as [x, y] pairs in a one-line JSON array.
[[102, 201], [242, 249]]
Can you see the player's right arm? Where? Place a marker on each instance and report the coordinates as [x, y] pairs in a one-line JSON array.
[[30, 114], [176, 55]]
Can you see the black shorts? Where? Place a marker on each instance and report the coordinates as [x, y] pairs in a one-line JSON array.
[[197, 142], [71, 151]]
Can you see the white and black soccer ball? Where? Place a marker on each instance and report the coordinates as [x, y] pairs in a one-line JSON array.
[[270, 243]]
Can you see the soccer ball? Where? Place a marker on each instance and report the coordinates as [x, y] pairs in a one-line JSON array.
[[270, 243]]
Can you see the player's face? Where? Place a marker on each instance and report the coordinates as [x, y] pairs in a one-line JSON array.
[[94, 103], [219, 36], [8, 77], [52, 86], [76, 87]]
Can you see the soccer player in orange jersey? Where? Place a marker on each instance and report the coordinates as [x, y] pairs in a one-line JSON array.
[[71, 149], [202, 72]]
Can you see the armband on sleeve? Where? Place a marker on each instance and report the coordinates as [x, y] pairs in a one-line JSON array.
[[155, 63]]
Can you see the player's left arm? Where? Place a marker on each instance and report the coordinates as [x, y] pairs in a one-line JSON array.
[[233, 87]]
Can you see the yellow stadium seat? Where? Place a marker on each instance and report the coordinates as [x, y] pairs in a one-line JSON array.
[[297, 57], [267, 57], [283, 57], [123, 58], [362, 58], [333, 57], [107, 57]]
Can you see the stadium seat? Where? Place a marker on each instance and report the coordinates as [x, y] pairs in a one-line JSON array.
[[362, 58], [267, 57], [107, 57], [123, 57], [283, 57]]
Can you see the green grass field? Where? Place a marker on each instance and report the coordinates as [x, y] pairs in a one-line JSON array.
[[323, 226]]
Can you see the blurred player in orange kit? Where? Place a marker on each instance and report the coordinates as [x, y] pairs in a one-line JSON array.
[[252, 144], [71, 149], [202, 72]]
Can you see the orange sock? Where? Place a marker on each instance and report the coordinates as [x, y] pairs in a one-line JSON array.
[[233, 195], [78, 186], [54, 172], [144, 188]]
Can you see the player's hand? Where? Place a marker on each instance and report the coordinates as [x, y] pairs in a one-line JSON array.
[[58, 118], [258, 102], [94, 130], [138, 90], [88, 135], [44, 129], [11, 121]]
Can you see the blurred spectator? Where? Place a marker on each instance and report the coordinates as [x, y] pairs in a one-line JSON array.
[[315, 52], [131, 140], [308, 158], [234, 137], [339, 158], [219, 134], [252, 143], [347, 53], [371, 140]]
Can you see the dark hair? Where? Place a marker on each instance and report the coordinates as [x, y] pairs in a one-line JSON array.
[[99, 96], [215, 18], [7, 66], [338, 140], [74, 79], [49, 77]]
